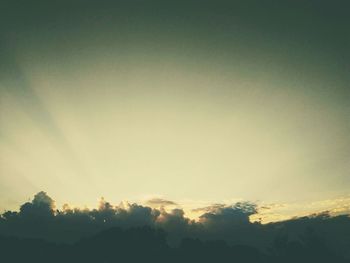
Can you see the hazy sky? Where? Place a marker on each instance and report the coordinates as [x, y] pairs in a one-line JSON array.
[[192, 101]]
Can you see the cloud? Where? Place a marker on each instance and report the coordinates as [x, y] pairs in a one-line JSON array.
[[273, 212], [41, 206], [210, 208], [230, 223], [42, 199], [134, 233], [160, 202], [236, 214]]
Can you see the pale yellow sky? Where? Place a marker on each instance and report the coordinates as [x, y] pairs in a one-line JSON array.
[[80, 132], [186, 109]]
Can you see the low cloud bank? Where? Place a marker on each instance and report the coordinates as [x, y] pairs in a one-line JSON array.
[[230, 224]]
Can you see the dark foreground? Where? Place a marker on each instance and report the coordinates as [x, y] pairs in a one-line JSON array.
[[149, 245]]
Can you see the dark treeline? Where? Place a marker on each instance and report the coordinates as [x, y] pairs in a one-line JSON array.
[[39, 233]]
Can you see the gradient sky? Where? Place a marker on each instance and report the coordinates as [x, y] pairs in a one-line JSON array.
[[192, 101]]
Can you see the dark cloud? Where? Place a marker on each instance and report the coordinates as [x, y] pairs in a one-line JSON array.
[[237, 214], [95, 235], [210, 208], [160, 202]]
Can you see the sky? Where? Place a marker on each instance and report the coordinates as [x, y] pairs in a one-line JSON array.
[[197, 102]]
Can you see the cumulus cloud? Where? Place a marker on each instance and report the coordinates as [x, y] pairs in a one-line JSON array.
[[83, 222], [98, 235], [236, 214]]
